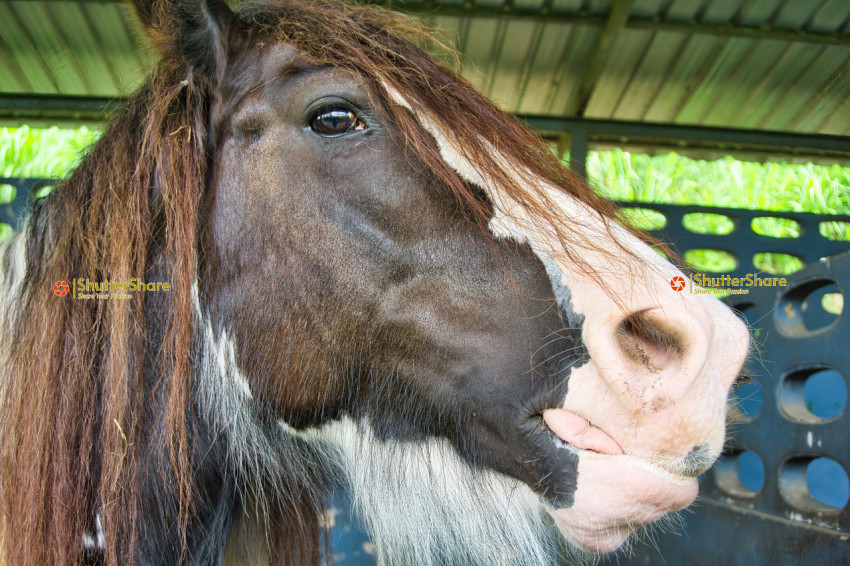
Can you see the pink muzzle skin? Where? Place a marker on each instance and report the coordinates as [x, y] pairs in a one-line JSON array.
[[617, 493]]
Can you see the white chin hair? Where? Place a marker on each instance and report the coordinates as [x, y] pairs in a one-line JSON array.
[[423, 505]]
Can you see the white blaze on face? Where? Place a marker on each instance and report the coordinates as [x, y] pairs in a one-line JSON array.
[[639, 407]]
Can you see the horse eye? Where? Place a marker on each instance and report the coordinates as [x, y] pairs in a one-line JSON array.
[[336, 122]]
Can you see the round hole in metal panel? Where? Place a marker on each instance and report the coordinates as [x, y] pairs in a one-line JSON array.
[[833, 303], [808, 307], [774, 227], [747, 399], [814, 484], [777, 263], [41, 191], [828, 482], [812, 395], [7, 193], [835, 230], [825, 393], [708, 223], [644, 218], [740, 474], [715, 261], [751, 471]]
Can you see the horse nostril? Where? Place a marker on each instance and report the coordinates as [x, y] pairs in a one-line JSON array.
[[649, 341]]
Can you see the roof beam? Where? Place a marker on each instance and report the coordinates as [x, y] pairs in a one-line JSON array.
[[56, 109], [547, 14], [723, 139], [748, 32], [615, 23]]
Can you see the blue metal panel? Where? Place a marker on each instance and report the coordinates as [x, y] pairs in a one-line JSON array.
[[13, 213], [742, 242]]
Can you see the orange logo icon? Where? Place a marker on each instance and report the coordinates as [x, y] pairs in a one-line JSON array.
[[61, 288], [677, 283]]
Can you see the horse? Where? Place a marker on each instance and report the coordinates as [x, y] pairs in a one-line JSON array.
[[307, 257]]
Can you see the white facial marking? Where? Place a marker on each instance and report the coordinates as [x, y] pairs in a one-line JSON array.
[[594, 240], [96, 541], [655, 411]]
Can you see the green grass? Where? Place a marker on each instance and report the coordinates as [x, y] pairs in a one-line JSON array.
[[49, 153], [727, 182]]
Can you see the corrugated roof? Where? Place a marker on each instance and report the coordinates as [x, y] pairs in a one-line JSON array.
[[775, 65], [83, 48], [779, 65]]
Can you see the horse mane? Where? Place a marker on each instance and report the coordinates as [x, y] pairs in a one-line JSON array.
[[93, 387], [74, 415]]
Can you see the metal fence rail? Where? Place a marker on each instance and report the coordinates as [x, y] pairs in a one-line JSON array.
[[743, 242]]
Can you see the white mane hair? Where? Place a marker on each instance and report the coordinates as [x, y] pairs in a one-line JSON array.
[[423, 505]]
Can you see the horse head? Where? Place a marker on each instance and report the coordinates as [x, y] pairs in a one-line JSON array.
[[382, 281]]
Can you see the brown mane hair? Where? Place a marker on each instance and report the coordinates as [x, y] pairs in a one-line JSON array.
[[74, 404], [78, 410]]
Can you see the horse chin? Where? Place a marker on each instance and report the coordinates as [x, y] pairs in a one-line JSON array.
[[625, 494]]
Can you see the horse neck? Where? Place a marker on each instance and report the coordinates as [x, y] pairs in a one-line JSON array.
[[247, 468]]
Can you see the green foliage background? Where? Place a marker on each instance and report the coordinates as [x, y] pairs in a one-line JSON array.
[[46, 153]]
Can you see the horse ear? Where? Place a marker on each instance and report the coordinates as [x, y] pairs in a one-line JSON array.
[[194, 30]]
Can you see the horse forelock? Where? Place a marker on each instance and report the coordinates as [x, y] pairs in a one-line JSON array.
[[430, 105]]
